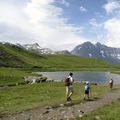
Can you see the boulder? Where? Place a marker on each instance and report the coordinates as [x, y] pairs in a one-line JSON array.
[[32, 79]]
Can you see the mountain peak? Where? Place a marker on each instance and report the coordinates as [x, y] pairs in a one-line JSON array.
[[33, 46], [98, 44], [99, 51], [87, 43]]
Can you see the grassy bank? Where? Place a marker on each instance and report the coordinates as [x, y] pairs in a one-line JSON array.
[[18, 98], [109, 112], [116, 72], [23, 97]]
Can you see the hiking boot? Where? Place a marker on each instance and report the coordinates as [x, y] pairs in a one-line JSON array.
[[68, 99]]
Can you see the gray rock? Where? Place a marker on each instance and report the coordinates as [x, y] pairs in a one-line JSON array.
[[97, 118], [32, 79]]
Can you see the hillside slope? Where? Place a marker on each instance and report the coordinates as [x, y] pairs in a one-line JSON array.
[[14, 56]]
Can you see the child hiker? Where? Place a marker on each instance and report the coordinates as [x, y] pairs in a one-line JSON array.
[[87, 91], [111, 83]]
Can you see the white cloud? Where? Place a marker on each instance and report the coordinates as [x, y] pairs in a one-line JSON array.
[[113, 36], [83, 9], [41, 22], [112, 7], [94, 24], [67, 4]]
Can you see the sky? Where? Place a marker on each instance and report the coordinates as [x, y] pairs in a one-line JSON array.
[[60, 24]]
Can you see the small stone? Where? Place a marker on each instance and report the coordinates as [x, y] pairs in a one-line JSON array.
[[63, 112], [61, 105], [65, 116], [28, 119], [73, 112], [78, 110], [97, 118], [80, 116], [82, 111], [48, 107], [46, 112]]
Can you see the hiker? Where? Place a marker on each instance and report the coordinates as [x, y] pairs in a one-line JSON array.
[[111, 83], [87, 90], [69, 86]]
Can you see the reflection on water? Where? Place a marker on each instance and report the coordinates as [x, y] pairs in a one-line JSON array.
[[96, 77]]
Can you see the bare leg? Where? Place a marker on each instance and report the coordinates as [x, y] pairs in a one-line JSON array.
[[88, 95], [70, 94], [84, 96], [67, 92]]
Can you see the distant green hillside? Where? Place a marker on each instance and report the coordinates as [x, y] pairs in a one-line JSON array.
[[14, 56]]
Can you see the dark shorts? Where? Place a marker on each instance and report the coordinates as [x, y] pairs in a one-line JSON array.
[[86, 92]]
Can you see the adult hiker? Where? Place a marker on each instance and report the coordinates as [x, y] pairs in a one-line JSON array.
[[111, 83], [87, 91], [69, 86]]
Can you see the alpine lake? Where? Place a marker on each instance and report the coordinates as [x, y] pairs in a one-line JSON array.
[[78, 76]]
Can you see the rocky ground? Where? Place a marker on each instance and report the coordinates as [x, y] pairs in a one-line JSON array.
[[66, 111]]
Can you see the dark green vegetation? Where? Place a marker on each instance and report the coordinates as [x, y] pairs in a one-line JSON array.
[[23, 97], [109, 112], [14, 56], [11, 76], [116, 72]]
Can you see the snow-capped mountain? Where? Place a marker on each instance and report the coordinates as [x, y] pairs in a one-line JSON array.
[[36, 48], [99, 51]]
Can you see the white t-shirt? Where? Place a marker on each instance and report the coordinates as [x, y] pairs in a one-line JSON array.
[[71, 80]]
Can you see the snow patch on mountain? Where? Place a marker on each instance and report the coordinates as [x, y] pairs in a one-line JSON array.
[[99, 51], [90, 55], [102, 53]]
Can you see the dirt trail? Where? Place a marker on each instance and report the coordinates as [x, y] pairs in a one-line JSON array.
[[66, 113]]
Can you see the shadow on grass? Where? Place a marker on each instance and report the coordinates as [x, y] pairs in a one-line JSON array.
[[92, 99], [115, 88], [75, 102]]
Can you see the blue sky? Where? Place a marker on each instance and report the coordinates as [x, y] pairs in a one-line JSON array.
[[60, 24]]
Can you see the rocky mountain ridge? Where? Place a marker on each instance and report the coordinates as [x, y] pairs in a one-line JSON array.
[[98, 51]]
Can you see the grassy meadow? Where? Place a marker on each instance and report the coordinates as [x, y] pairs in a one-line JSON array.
[[23, 97], [16, 63]]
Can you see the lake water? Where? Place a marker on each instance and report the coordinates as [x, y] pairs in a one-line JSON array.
[[94, 77]]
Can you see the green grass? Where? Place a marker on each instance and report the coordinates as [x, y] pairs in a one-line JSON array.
[[16, 63], [10, 76], [116, 72], [23, 97], [109, 112], [13, 56]]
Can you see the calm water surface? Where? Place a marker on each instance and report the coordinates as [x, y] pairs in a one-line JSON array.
[[95, 77]]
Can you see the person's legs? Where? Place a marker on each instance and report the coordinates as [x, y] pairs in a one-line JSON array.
[[70, 92], [84, 96], [88, 95], [111, 85], [67, 92]]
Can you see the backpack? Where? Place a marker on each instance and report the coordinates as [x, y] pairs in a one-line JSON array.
[[67, 81]]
